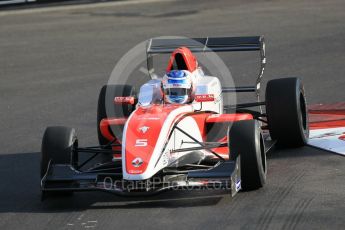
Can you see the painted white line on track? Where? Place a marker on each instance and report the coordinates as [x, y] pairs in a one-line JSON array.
[[77, 7]]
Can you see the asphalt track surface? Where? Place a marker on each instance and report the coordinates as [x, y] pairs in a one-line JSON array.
[[53, 63]]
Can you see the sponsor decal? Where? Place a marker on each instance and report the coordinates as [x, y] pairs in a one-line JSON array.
[[135, 171], [144, 129], [215, 115], [238, 185], [137, 162], [177, 85], [204, 97], [149, 118], [165, 159], [124, 100]]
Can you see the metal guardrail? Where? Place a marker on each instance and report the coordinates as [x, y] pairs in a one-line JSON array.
[[9, 2]]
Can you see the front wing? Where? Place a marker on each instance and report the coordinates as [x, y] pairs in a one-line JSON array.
[[224, 175]]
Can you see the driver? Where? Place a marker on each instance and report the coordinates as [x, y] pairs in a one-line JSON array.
[[177, 87], [179, 79]]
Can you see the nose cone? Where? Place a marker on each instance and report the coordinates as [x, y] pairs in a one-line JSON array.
[[141, 135], [146, 133]]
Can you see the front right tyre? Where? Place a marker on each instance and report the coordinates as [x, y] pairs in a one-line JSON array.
[[246, 141]]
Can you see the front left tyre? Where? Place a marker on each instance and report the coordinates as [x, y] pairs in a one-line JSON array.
[[58, 147]]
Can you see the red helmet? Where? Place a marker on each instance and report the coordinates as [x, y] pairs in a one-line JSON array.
[[182, 59]]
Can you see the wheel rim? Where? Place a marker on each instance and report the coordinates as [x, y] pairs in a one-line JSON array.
[[263, 154], [303, 111]]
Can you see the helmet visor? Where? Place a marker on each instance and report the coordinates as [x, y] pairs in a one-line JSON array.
[[177, 95]]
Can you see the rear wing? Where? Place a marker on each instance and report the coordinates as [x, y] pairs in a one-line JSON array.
[[211, 44]]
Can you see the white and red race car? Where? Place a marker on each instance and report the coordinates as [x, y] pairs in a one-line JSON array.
[[148, 145]]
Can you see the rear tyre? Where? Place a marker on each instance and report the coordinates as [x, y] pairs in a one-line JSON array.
[[107, 108], [58, 146], [286, 110], [246, 141]]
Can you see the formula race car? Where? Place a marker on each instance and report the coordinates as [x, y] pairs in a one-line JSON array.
[[175, 133]]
